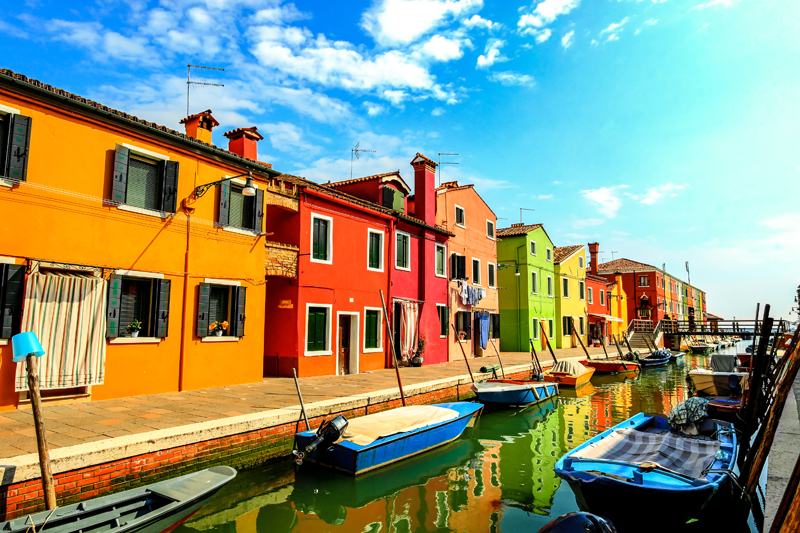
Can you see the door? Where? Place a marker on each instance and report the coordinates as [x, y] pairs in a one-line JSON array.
[[344, 345]]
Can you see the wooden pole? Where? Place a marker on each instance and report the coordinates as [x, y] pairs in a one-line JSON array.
[[391, 343], [603, 344], [787, 518], [547, 340], [616, 342], [579, 340], [538, 366], [463, 352], [498, 359], [41, 439], [300, 395]]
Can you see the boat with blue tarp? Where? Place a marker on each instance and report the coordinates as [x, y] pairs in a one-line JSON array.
[[512, 392]]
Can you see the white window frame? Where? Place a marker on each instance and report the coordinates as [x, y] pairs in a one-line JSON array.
[[381, 321], [551, 287], [581, 262], [550, 328], [564, 279], [489, 278], [434, 261], [494, 229], [582, 326], [646, 279], [549, 254], [582, 283], [328, 331], [383, 247], [589, 295], [448, 320], [537, 330], [396, 233], [534, 282], [457, 207], [472, 271], [328, 261], [602, 297], [532, 248]]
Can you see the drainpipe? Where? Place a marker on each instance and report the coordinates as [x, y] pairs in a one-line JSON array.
[[519, 294], [188, 211], [389, 268]]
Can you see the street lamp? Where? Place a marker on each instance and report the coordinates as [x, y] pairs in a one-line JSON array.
[[249, 188]]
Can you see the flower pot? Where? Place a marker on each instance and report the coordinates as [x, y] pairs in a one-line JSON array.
[[218, 333], [134, 334]]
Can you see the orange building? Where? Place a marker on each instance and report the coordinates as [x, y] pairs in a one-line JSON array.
[[104, 221], [472, 269]]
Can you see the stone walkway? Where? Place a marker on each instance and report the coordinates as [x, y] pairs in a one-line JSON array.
[[79, 423]]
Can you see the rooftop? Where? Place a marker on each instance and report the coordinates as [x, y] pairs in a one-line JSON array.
[[517, 229], [395, 174], [622, 265], [561, 253]]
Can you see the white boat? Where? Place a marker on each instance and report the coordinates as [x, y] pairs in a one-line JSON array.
[[715, 383]]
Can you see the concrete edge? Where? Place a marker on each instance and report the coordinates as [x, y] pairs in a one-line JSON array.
[[26, 467]]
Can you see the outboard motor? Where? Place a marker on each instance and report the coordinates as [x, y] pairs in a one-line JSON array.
[[327, 434], [733, 384], [579, 522]]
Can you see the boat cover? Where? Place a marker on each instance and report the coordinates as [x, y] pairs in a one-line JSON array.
[[686, 455], [570, 367], [367, 429], [691, 410], [723, 362]]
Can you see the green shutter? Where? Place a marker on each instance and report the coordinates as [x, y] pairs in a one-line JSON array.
[[238, 312], [18, 144], [397, 201], [161, 291], [12, 285], [374, 250], [224, 202], [317, 323], [203, 296], [371, 333], [169, 186], [113, 308], [258, 211], [320, 239], [119, 185], [440, 260]]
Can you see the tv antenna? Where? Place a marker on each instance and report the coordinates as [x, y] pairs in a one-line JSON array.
[[445, 163], [612, 255], [355, 151], [189, 81], [521, 209]]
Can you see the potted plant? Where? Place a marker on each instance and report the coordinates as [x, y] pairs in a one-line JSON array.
[[418, 359], [134, 328], [218, 327]]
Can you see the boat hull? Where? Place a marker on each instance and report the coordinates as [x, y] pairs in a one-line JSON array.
[[714, 383], [612, 366], [700, 348], [353, 459], [568, 380], [676, 357], [517, 393], [652, 361]]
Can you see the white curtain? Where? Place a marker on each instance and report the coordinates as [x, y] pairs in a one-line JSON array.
[[409, 329]]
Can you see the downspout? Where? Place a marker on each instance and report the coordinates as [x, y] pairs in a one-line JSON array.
[[519, 297], [390, 362], [188, 211]]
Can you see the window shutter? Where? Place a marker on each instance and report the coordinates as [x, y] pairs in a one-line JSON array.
[[258, 212], [169, 186], [238, 312], [113, 308], [203, 295], [388, 197], [496, 328], [119, 185], [18, 143], [12, 285], [453, 266], [462, 267], [371, 335], [397, 200], [224, 202], [162, 289]]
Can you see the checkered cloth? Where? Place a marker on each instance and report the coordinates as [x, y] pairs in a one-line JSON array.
[[684, 455], [690, 410]]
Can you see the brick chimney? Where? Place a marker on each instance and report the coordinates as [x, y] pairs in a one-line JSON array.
[[424, 189], [199, 126], [594, 247], [517, 225], [243, 142]]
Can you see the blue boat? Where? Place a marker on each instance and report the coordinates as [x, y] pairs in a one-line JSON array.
[[513, 392], [676, 356], [654, 361], [374, 441], [625, 469]]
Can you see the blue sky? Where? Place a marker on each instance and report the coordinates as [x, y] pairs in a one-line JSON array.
[[667, 130]]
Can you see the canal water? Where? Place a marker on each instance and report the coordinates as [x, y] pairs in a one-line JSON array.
[[499, 476]]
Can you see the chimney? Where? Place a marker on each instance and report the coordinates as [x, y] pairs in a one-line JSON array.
[[517, 225], [593, 249], [199, 126], [242, 141], [424, 189]]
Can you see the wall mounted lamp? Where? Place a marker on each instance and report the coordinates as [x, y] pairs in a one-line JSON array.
[[249, 188]]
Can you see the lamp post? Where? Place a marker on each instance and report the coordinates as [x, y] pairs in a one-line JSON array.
[[248, 190]]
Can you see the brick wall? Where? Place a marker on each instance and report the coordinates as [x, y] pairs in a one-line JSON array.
[[281, 259], [239, 451]]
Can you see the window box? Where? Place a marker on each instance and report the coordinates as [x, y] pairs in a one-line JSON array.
[[223, 338]]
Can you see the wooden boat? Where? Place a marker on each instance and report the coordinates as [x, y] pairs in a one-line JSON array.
[[716, 383], [511, 392], [611, 366], [654, 359], [568, 374], [373, 441], [724, 407], [153, 508], [676, 356], [701, 348], [609, 474], [744, 358]]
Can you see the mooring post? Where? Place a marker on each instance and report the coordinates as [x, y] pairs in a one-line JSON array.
[[391, 343], [300, 395], [466, 360]]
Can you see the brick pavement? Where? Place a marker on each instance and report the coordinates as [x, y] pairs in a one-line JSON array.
[[79, 423]]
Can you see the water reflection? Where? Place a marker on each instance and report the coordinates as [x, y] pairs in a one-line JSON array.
[[498, 476]]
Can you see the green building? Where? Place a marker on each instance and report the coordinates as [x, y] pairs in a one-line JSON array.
[[526, 286]]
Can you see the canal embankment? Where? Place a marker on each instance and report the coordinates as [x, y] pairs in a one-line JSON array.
[[783, 455], [111, 445]]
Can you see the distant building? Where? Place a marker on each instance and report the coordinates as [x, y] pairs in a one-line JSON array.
[[598, 305], [571, 309]]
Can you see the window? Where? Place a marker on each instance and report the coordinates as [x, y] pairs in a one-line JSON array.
[[535, 329], [375, 250], [663, 283], [534, 283], [590, 295], [580, 261], [321, 239], [138, 299], [392, 198], [12, 290], [566, 326], [494, 325], [217, 302], [147, 180], [550, 286], [317, 330], [644, 281], [533, 247], [373, 341], [581, 326], [491, 268], [458, 266], [564, 288], [476, 271], [582, 290], [15, 131], [464, 324], [444, 320], [550, 328], [549, 254], [490, 229], [460, 219], [602, 297], [402, 260], [441, 254]]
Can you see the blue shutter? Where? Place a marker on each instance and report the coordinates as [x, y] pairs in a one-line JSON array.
[[169, 186], [119, 185], [113, 307]]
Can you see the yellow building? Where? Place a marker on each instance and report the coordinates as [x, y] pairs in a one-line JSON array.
[[617, 306], [570, 269]]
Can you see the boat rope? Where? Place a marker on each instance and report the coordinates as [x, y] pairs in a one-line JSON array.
[[32, 527]]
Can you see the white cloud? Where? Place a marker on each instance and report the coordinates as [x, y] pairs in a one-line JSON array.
[[613, 27], [101, 43], [654, 194], [566, 40], [394, 96], [492, 54], [587, 222], [373, 109], [546, 12], [442, 48], [544, 197], [557, 182], [437, 111], [541, 35], [401, 22], [286, 137], [511, 78], [607, 199], [476, 21], [712, 3]]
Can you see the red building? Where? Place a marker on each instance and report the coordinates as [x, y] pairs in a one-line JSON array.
[[597, 302]]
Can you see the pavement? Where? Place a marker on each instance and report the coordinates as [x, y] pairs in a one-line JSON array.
[[82, 423], [783, 455]]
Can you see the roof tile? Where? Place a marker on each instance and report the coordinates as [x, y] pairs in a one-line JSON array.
[[517, 229], [560, 253]]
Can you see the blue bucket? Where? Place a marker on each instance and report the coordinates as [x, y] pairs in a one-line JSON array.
[[24, 344]]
